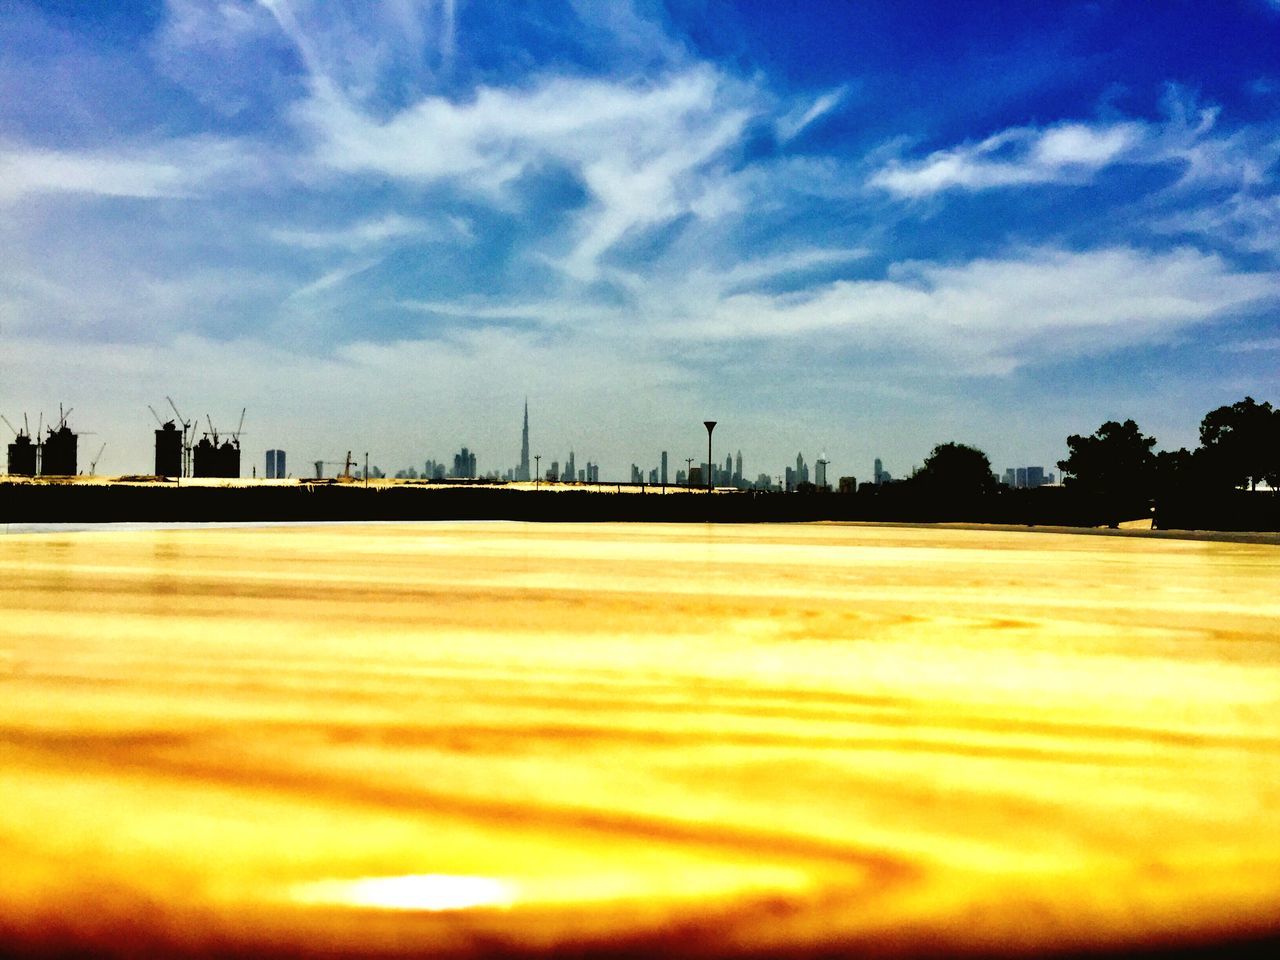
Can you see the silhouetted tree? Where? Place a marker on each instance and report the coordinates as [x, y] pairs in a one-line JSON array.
[[956, 470], [1242, 443], [1115, 461]]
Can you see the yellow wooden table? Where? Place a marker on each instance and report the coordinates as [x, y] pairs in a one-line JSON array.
[[478, 739]]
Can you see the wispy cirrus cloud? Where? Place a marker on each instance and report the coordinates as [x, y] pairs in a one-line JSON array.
[[389, 228], [1067, 152], [643, 152], [795, 121], [994, 315], [1073, 152], [976, 318], [150, 169]]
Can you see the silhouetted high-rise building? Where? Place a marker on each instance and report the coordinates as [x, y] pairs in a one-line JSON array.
[[275, 465], [464, 464], [820, 473], [1010, 478], [881, 475], [737, 469], [169, 451], [1021, 474], [1035, 476], [220, 460], [22, 456], [523, 472], [59, 456], [802, 470], [664, 468]]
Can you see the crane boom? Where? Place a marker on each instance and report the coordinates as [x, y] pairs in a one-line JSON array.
[[10, 425], [156, 415]]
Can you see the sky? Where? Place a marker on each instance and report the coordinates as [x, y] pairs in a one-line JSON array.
[[856, 228]]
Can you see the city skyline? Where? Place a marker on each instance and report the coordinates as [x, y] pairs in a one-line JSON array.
[[858, 229]]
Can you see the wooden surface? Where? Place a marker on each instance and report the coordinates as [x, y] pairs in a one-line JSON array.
[[487, 738]]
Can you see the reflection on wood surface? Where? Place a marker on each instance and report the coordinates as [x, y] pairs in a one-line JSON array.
[[478, 738]]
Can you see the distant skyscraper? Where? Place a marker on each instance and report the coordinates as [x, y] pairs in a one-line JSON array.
[[1035, 476], [1010, 478], [881, 474], [523, 472], [737, 469], [464, 464], [275, 465], [820, 475], [168, 451], [664, 468], [1021, 474]]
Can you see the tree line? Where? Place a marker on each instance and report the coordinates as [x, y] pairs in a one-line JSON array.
[[1239, 449]]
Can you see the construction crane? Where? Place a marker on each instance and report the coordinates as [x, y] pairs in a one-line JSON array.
[[346, 466], [235, 437], [94, 465], [186, 438], [16, 431], [159, 422], [62, 418]]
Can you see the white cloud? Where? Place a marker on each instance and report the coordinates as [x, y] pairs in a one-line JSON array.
[[645, 153], [794, 123], [992, 316], [1072, 152], [1245, 220], [389, 228], [1026, 155], [27, 170], [333, 278], [178, 168], [1252, 346]]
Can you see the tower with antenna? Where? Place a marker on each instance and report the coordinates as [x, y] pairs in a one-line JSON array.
[[523, 472]]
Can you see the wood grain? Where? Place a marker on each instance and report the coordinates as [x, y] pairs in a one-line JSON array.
[[476, 739]]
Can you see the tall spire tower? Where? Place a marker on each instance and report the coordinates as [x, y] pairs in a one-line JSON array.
[[524, 445]]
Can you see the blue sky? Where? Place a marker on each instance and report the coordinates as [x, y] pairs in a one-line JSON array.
[[862, 228]]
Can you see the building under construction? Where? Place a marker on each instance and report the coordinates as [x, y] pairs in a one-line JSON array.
[[22, 456], [58, 458], [213, 459], [169, 450]]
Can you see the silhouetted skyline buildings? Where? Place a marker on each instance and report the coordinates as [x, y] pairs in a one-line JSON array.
[[217, 457]]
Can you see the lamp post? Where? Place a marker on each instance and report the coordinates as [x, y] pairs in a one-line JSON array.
[[711, 467], [537, 471]]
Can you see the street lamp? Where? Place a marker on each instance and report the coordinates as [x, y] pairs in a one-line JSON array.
[[537, 470], [711, 467]]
